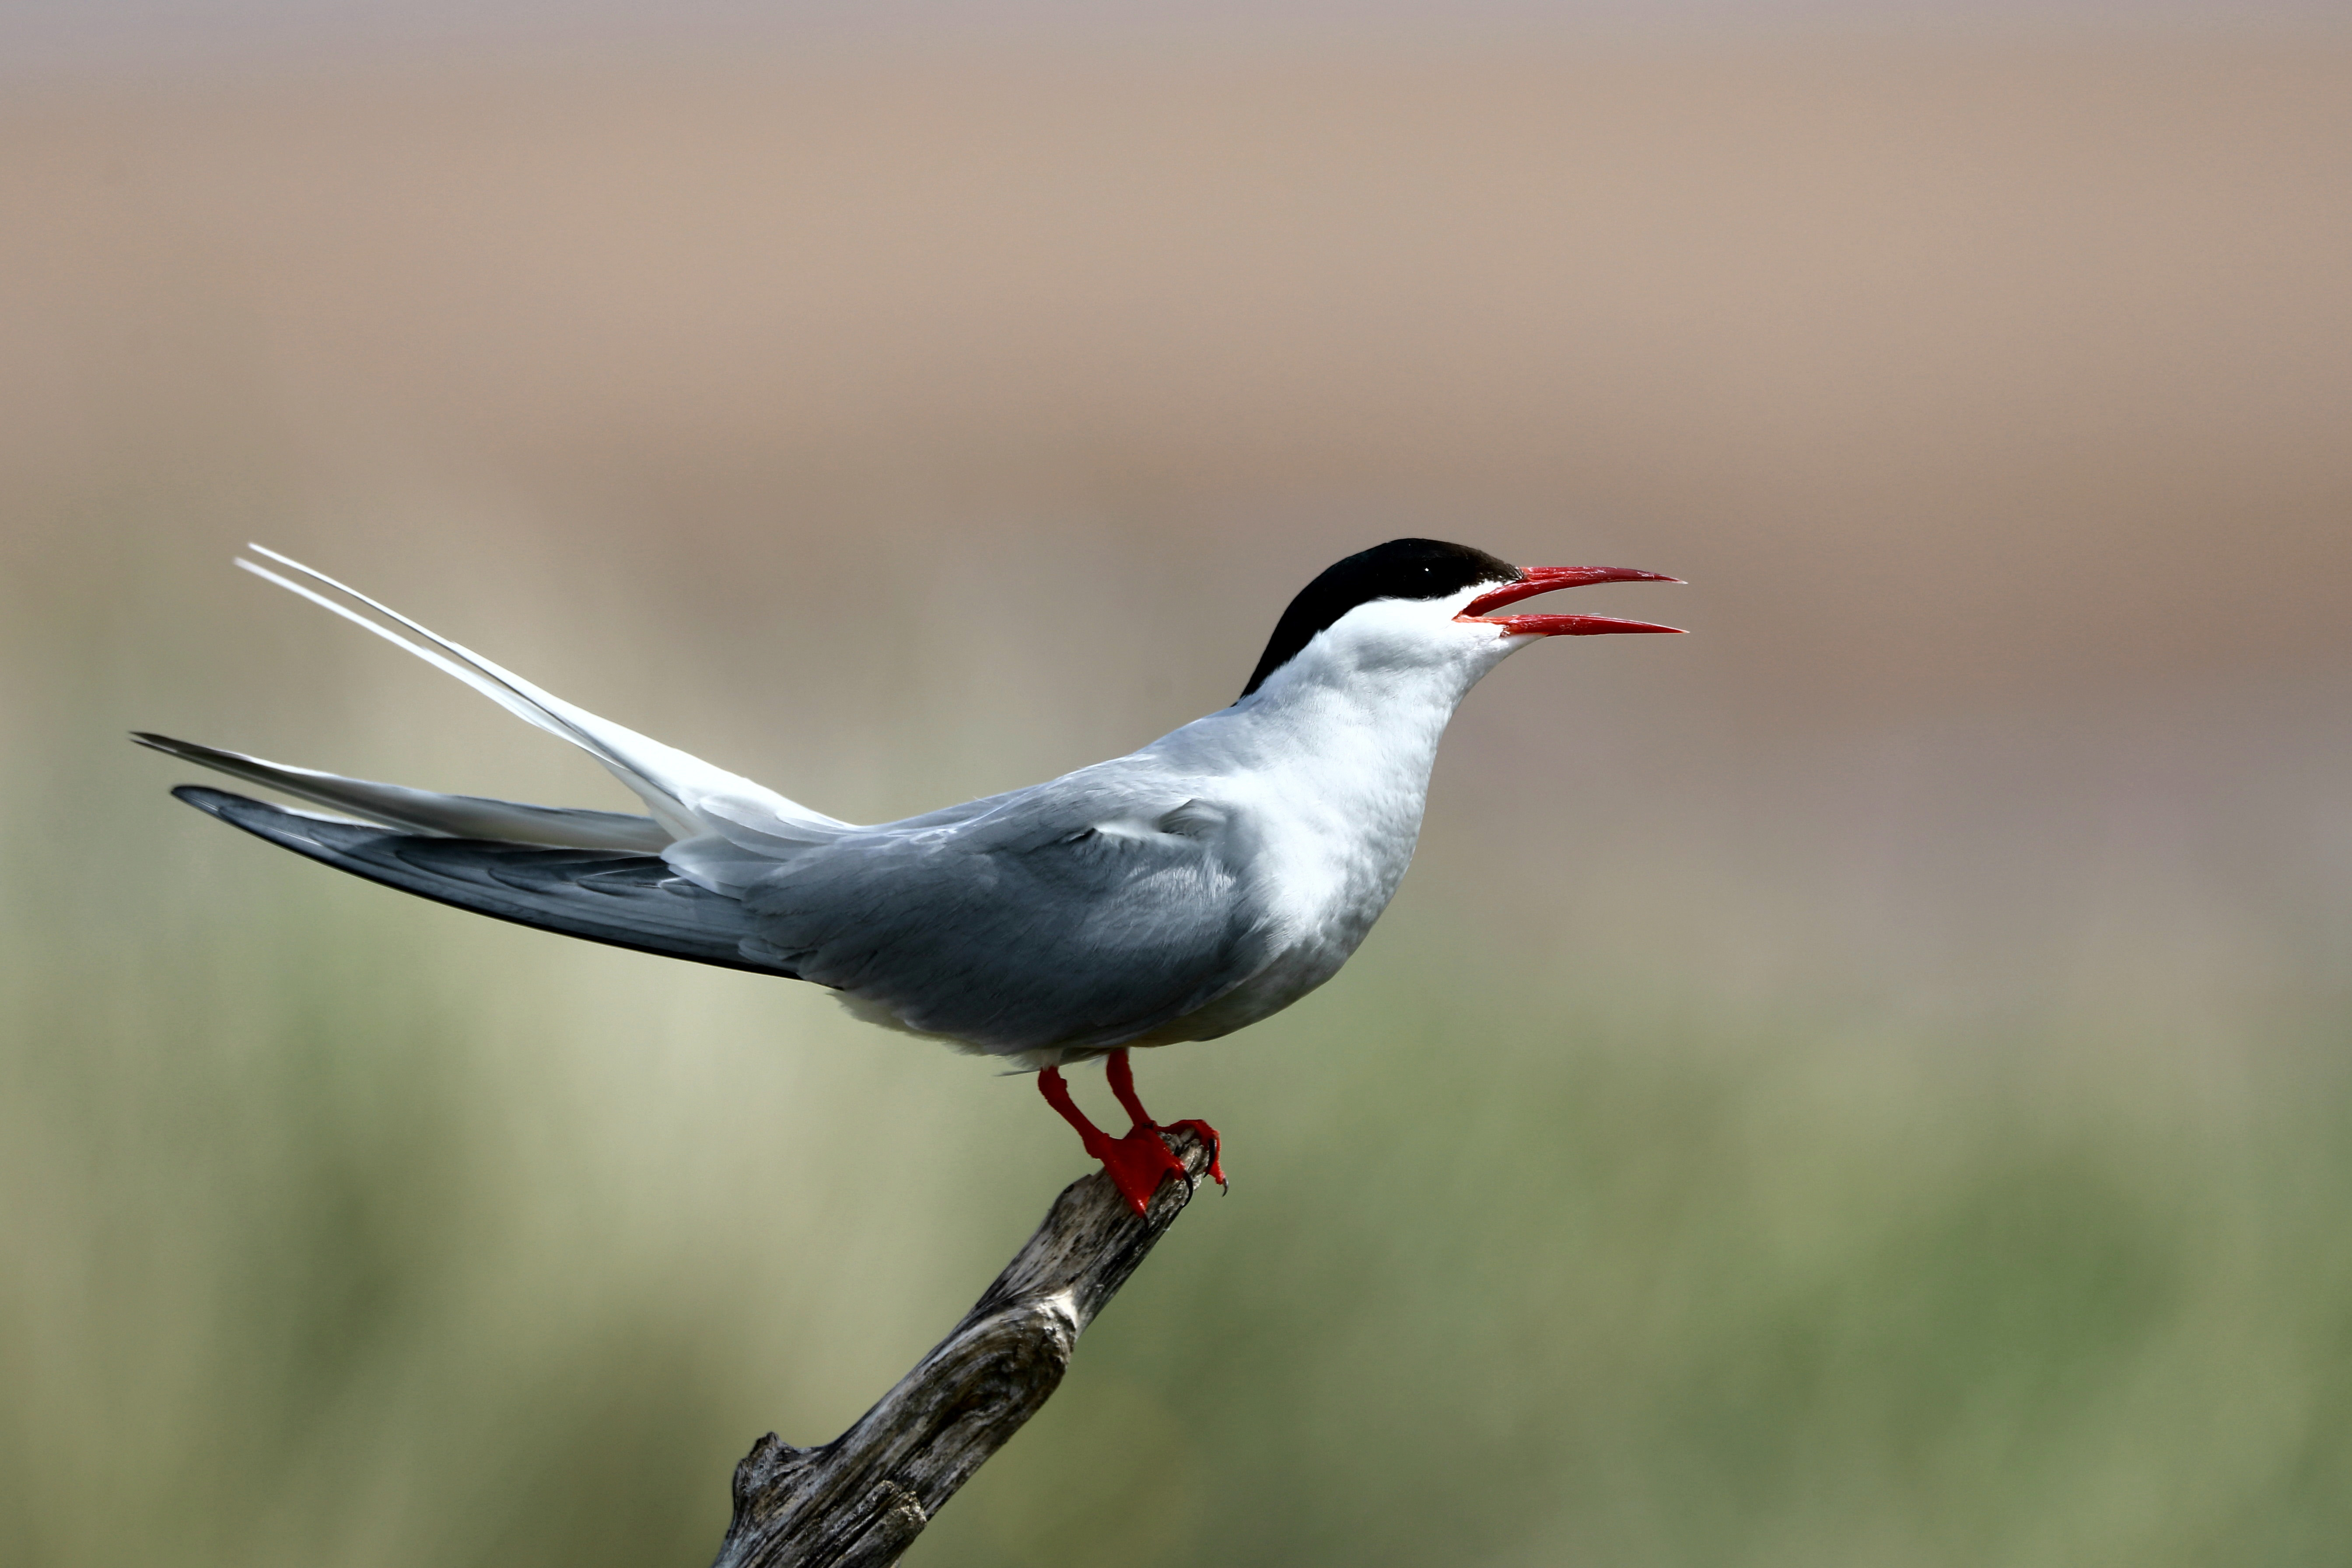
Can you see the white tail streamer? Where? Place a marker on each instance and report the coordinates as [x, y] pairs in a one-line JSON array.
[[690, 798]]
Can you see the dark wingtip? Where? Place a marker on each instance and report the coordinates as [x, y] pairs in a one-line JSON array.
[[214, 802], [528, 884]]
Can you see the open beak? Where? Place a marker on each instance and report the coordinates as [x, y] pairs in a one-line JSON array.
[[1533, 580]]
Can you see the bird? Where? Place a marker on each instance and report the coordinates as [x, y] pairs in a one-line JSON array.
[[1180, 892]]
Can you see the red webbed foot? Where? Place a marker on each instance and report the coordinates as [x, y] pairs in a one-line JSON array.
[[1140, 1161], [1137, 1164], [1121, 1074]]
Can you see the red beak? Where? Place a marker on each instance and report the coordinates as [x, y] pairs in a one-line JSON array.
[[1535, 580]]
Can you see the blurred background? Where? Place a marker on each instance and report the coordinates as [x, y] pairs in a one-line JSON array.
[[1865, 1084]]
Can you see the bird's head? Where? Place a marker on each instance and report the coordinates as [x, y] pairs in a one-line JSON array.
[[1418, 601]]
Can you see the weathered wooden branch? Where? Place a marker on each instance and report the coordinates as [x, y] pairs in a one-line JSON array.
[[861, 1500]]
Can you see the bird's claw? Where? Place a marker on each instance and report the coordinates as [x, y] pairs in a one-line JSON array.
[[1208, 1134]]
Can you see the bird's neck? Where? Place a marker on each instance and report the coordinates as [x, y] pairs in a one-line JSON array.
[[1364, 738]]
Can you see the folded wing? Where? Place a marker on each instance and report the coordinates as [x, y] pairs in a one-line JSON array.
[[1069, 918]]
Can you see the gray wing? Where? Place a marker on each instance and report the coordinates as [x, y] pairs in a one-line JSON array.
[[603, 895], [1078, 915]]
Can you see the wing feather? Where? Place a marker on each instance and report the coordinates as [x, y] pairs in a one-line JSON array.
[[608, 896], [423, 811]]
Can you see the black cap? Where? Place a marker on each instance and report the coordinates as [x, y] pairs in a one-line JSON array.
[[1401, 569]]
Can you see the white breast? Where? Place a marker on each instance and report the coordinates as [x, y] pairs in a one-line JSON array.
[[1328, 765]]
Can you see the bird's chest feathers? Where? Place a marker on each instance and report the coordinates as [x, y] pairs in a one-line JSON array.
[[1328, 841], [1334, 808], [1337, 840]]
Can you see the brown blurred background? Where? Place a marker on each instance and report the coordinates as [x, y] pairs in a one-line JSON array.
[[1861, 1084]]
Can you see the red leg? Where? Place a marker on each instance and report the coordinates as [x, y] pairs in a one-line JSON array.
[[1135, 1163], [1121, 1074]]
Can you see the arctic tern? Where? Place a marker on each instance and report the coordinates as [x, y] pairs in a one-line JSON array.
[[1180, 892]]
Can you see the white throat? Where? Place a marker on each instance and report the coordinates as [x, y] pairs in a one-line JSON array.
[[1369, 695]]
